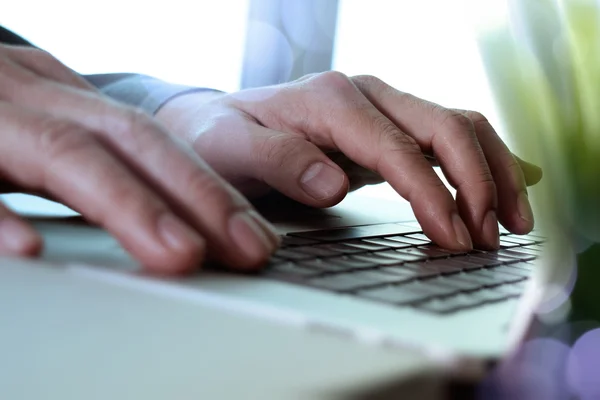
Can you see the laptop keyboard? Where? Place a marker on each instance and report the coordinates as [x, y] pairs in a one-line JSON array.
[[398, 265]]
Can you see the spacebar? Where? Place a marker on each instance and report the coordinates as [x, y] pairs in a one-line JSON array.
[[357, 232]]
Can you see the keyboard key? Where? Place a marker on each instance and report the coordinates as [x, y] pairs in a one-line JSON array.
[[446, 251], [351, 281], [510, 290], [388, 243], [458, 282], [522, 265], [540, 248], [507, 245], [352, 262], [290, 270], [378, 277], [407, 240], [534, 237], [516, 254], [340, 248], [416, 270], [448, 304], [420, 236], [377, 260], [315, 251], [291, 254], [454, 284], [486, 259], [477, 279], [489, 295], [341, 282], [498, 276], [428, 251], [287, 241], [357, 232], [444, 266], [508, 269], [401, 255], [337, 283], [518, 240], [325, 265], [405, 274], [461, 263], [534, 249], [359, 244]]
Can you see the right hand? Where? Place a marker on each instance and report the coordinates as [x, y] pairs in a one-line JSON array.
[[118, 168]]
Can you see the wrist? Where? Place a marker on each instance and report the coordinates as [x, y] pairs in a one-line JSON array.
[[178, 113]]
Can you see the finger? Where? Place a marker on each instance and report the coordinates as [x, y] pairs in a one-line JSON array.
[[514, 208], [343, 119], [64, 159], [531, 172], [44, 64], [236, 234], [17, 237], [357, 175], [451, 137], [296, 168]]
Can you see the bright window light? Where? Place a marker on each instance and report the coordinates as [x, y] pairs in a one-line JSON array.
[[197, 42]]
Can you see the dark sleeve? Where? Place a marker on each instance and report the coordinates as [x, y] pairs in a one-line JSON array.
[[143, 91], [137, 90]]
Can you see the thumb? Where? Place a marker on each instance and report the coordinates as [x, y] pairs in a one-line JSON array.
[[298, 169]]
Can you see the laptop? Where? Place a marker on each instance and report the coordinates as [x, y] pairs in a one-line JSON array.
[[362, 270]]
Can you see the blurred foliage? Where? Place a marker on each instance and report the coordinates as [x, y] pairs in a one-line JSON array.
[[543, 64]]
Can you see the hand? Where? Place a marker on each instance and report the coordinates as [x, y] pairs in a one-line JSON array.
[[285, 137], [119, 168]]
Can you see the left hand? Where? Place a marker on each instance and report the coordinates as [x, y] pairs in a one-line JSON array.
[[287, 136]]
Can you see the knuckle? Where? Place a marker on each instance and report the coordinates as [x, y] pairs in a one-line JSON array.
[[476, 117], [334, 80], [63, 144], [371, 82], [394, 141], [454, 123], [390, 133], [61, 138], [208, 190]]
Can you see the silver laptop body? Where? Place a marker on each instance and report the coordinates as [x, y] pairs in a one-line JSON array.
[[487, 329]]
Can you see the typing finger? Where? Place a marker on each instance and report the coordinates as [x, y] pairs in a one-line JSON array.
[[66, 160], [237, 235], [451, 137], [343, 119], [514, 209]]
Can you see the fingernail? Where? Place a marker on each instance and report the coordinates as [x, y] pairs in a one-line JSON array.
[[524, 207], [17, 237], [462, 233], [249, 236], [491, 230], [322, 181], [176, 235], [269, 229]]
